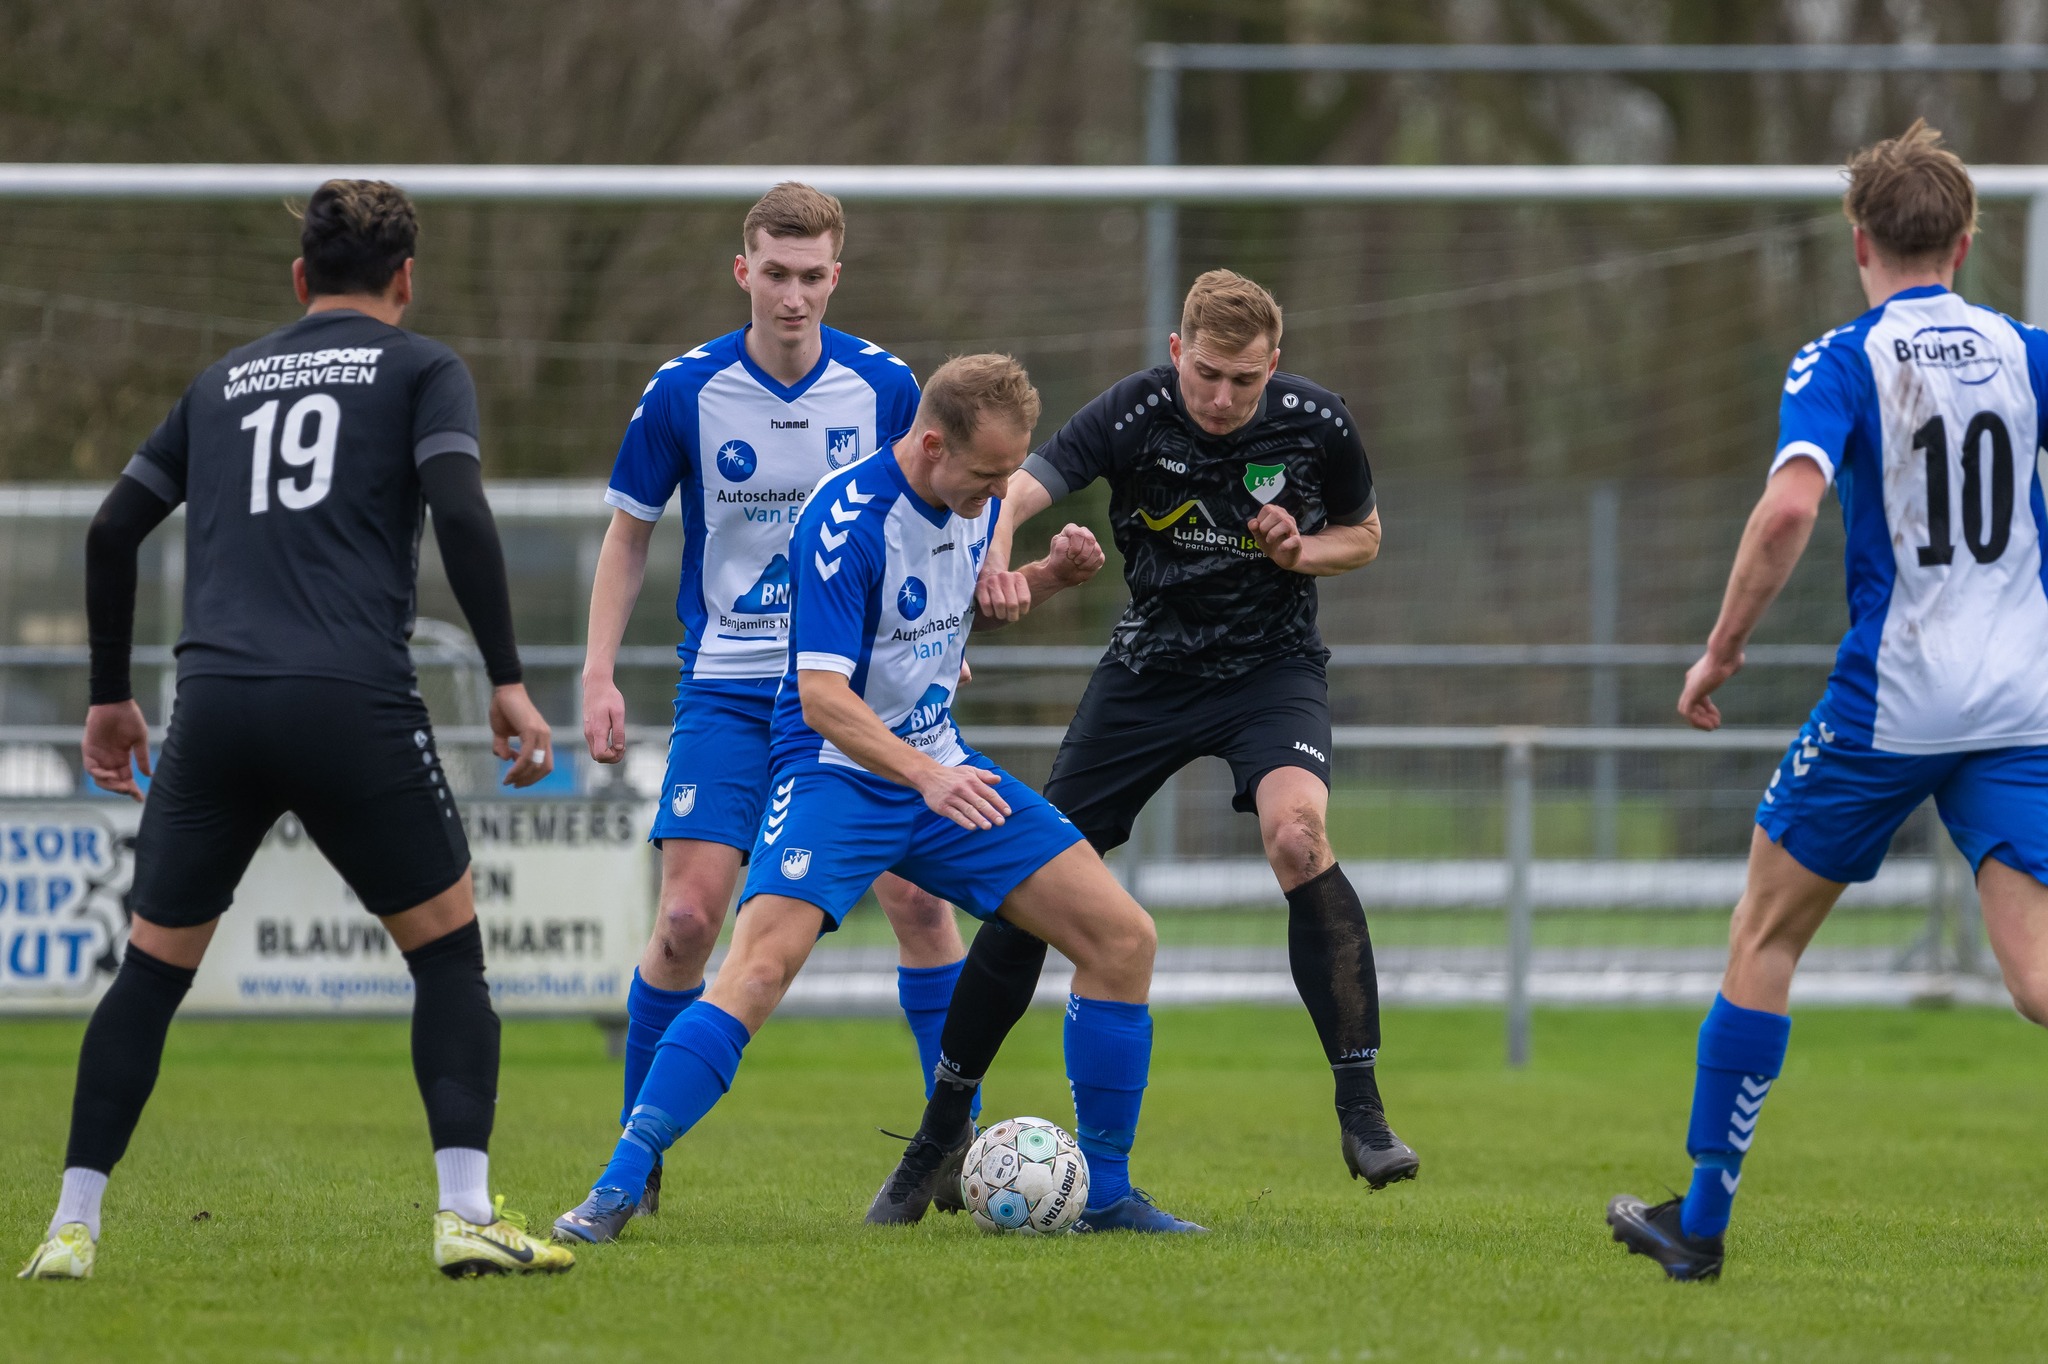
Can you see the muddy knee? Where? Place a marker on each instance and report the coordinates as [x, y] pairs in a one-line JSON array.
[[1298, 846]]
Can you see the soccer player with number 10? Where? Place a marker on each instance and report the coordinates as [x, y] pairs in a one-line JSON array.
[[1926, 414]]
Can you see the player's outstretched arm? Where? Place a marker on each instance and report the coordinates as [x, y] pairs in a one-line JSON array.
[[115, 732], [1073, 558], [1000, 597], [621, 569], [961, 794], [453, 486], [1772, 542], [1332, 550]]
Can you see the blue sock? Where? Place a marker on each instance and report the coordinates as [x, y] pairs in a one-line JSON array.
[[1741, 1053], [649, 1011], [925, 992], [692, 1070], [1109, 1055]]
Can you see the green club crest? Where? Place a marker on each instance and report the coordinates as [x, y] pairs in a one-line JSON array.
[[1264, 481]]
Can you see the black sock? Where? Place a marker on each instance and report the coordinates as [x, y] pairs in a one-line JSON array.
[[996, 984], [454, 1038], [1329, 950], [118, 1061]]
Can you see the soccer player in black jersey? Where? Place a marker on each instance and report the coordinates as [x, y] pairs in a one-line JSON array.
[[303, 460], [1233, 487]]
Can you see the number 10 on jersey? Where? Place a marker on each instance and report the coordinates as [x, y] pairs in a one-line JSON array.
[[323, 415]]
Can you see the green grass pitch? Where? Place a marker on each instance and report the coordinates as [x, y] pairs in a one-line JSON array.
[[275, 1205]]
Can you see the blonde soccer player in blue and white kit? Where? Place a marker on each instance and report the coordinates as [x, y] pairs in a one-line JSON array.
[[1926, 413], [872, 775], [743, 427]]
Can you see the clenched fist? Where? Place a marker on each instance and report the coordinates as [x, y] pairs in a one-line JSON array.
[[1075, 556]]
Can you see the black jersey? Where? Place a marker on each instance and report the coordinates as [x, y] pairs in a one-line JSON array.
[[298, 457], [1204, 598]]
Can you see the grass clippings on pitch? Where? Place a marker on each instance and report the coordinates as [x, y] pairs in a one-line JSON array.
[[1892, 1209]]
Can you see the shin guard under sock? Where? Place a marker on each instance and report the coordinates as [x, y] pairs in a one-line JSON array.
[[649, 1011], [1740, 1054], [692, 1070], [119, 1058], [997, 980], [1329, 950], [926, 993], [1109, 1057], [455, 1038]]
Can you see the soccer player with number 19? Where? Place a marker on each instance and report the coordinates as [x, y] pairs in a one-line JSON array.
[[1926, 414], [303, 460]]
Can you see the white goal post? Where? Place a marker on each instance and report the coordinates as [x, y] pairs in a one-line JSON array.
[[1134, 184]]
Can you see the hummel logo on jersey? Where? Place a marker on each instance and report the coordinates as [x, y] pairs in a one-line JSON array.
[[682, 800], [841, 515], [796, 863], [937, 550], [800, 424], [1313, 752]]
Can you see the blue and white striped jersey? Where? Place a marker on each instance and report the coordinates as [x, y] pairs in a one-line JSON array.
[[1926, 413], [746, 451], [883, 593]]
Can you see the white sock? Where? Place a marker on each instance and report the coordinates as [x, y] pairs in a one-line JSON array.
[[465, 1174], [80, 1201]]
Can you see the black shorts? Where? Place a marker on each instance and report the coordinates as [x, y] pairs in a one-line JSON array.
[[1134, 730], [355, 763]]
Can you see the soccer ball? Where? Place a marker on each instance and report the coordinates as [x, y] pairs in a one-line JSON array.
[[1024, 1175]]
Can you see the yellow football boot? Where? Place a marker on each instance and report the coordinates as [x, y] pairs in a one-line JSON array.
[[464, 1250], [67, 1255]]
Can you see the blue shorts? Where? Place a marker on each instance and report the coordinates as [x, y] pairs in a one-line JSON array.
[[831, 831], [1834, 803], [717, 780]]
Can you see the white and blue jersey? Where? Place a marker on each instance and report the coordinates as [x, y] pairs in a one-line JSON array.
[[887, 586], [745, 451], [1926, 413], [883, 595]]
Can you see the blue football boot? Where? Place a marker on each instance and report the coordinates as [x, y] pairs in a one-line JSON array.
[[1136, 1212], [598, 1218]]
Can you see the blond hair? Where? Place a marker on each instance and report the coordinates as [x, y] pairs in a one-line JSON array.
[[1230, 311], [968, 388], [1911, 196], [794, 209]]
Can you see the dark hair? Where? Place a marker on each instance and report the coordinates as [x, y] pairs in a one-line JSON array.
[[1911, 196], [357, 235]]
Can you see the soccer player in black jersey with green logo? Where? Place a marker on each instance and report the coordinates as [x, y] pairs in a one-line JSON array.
[[303, 460], [1233, 487]]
